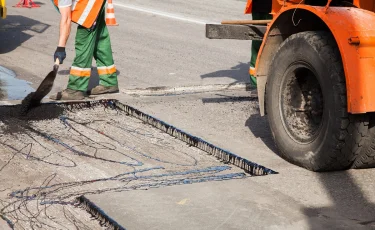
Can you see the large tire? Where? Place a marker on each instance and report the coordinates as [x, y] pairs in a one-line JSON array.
[[306, 105], [366, 159]]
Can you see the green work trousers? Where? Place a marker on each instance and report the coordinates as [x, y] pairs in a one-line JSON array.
[[255, 45], [89, 44]]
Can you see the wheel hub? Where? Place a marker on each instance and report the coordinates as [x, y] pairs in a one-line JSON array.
[[301, 103]]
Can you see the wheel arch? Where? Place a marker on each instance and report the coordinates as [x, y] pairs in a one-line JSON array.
[[353, 34]]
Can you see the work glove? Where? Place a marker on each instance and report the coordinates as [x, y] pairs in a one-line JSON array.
[[59, 54]]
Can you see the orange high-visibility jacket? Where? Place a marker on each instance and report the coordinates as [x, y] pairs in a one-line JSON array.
[[84, 12]]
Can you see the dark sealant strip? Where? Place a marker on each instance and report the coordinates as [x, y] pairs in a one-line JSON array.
[[95, 211]]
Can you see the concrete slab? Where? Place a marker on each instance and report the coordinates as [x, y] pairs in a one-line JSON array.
[[245, 204]]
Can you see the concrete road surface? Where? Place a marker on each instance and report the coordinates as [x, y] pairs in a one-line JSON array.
[[162, 44]]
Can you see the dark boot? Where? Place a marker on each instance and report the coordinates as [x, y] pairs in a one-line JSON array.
[[68, 94], [101, 89]]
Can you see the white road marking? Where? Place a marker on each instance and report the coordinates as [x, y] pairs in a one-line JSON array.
[[160, 13]]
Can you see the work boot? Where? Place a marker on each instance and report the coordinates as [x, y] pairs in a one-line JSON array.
[[68, 94], [101, 89]]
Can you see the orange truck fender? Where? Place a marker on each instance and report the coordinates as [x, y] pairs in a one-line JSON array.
[[354, 32]]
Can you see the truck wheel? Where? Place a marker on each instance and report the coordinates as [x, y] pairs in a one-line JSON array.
[[306, 105], [366, 159]]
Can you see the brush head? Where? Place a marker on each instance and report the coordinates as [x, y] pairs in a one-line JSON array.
[[33, 99], [45, 87], [27, 103]]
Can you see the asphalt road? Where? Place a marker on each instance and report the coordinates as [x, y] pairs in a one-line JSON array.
[[162, 43]]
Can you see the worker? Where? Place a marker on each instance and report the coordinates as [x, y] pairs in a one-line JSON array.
[[91, 41], [260, 10]]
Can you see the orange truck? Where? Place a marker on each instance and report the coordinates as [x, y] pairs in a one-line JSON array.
[[315, 75]]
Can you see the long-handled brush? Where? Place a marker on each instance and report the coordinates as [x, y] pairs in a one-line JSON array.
[[34, 98]]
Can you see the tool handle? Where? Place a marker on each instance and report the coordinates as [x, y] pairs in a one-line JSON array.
[[56, 66]]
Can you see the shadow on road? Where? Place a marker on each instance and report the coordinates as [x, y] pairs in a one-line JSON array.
[[258, 125], [225, 99], [39, 3], [350, 206], [240, 73], [13, 31]]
